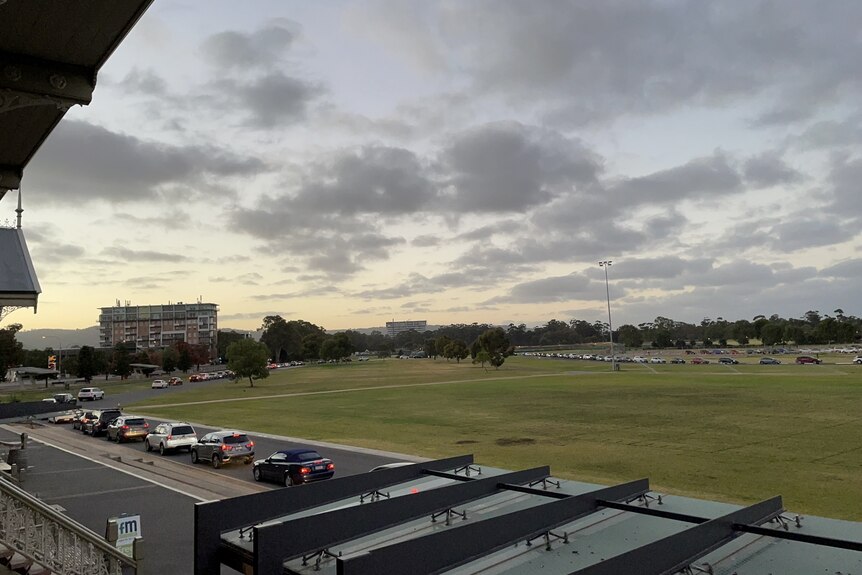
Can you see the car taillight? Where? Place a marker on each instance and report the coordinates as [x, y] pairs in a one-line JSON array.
[[170, 437], [250, 444], [125, 427], [225, 447], [146, 425], [330, 466], [304, 470]]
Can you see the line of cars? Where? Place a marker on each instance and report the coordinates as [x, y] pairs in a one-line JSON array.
[[285, 467], [726, 360]]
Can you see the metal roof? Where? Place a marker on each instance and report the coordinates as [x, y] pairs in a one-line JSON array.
[[451, 516], [19, 286], [50, 53]]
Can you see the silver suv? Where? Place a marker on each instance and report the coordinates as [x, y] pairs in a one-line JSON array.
[[220, 447], [169, 436]]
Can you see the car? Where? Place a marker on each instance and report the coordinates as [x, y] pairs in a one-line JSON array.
[[49, 400], [802, 359], [221, 447], [65, 398], [175, 381], [294, 467], [769, 361], [171, 436], [81, 419], [65, 417], [857, 359], [126, 428], [100, 420], [677, 360], [639, 359], [196, 377], [91, 393], [657, 360], [159, 384], [727, 361], [699, 361]]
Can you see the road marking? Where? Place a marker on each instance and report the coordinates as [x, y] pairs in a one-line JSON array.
[[103, 492]]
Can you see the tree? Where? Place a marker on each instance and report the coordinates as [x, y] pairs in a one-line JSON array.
[[430, 349], [311, 345], [169, 359], [248, 358], [199, 353], [630, 336], [456, 350], [11, 350], [336, 347], [441, 343], [225, 338], [495, 342], [87, 367], [482, 357], [122, 361], [184, 356]]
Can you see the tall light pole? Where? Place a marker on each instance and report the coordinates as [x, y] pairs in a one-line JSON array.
[[606, 264], [59, 352]]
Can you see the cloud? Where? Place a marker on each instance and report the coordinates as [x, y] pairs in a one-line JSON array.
[[768, 170], [270, 101], [145, 82], [552, 289], [240, 51], [132, 256], [83, 162]]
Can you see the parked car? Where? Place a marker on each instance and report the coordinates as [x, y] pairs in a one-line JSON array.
[[639, 359], [677, 360], [293, 467], [657, 360], [807, 359], [221, 447], [769, 361], [159, 384], [65, 398], [170, 436], [91, 393], [126, 428], [857, 359], [175, 381], [699, 361], [100, 420], [81, 419], [727, 361]]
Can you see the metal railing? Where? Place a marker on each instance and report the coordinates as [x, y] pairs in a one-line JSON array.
[[44, 535]]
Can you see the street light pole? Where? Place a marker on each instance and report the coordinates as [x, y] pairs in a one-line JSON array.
[[606, 264]]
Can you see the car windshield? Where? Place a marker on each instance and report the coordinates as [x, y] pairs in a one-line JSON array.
[[183, 430], [233, 439]]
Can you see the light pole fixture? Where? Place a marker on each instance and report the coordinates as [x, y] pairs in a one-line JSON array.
[[606, 264], [59, 352]]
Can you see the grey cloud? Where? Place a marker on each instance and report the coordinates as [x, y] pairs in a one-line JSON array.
[[132, 256], [251, 315], [251, 279], [848, 269], [697, 178], [82, 162], [649, 268], [768, 170], [57, 252], [145, 82], [553, 289], [844, 179], [829, 134], [426, 241], [507, 166], [262, 48]]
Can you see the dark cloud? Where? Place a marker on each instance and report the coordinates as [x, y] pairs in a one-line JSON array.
[[131, 256], [552, 289], [426, 241], [260, 49], [769, 169], [503, 167], [82, 162], [272, 100], [145, 82]]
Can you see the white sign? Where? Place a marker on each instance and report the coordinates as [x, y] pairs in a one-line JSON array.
[[128, 529]]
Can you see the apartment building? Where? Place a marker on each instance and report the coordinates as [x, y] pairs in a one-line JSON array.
[[159, 326], [393, 328]]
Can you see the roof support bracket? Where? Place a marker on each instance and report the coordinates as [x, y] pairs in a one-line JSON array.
[[549, 536], [27, 81], [449, 513]]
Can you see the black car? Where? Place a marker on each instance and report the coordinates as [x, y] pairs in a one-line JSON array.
[[220, 447], [100, 421], [769, 361], [294, 467], [677, 360], [727, 361]]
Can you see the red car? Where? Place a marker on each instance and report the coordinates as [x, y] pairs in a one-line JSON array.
[[807, 359], [699, 360]]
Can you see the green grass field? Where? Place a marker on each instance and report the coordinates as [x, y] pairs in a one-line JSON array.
[[733, 433]]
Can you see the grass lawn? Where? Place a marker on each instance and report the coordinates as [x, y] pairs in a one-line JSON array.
[[734, 433]]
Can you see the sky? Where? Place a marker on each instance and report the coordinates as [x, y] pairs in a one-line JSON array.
[[351, 163]]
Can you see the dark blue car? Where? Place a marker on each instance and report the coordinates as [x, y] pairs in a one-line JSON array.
[[293, 467]]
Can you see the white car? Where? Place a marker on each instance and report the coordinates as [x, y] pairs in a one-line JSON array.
[[857, 359], [91, 393], [639, 359], [159, 384], [657, 360], [169, 436]]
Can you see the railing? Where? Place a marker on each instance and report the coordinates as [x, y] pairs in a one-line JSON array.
[[44, 535]]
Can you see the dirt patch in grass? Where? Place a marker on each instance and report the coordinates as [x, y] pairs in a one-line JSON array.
[[506, 441], [465, 441]]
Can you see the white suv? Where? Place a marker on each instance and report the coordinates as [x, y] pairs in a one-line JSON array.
[[170, 436], [857, 359], [91, 393]]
